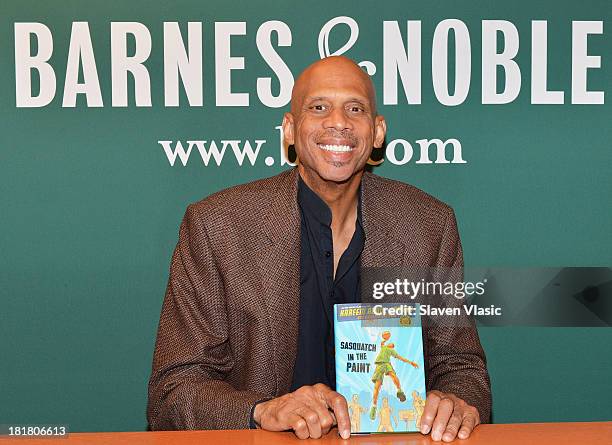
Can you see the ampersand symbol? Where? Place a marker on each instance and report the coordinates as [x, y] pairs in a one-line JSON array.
[[324, 41]]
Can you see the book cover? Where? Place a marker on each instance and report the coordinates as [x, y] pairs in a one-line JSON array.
[[379, 366]]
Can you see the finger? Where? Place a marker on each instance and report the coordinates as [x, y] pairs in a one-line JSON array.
[[452, 428], [298, 425], [445, 410], [469, 423], [326, 418], [429, 411], [333, 416], [312, 421], [337, 403]]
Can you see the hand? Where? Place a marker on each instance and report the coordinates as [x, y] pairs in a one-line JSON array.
[[447, 416], [415, 364], [310, 411]]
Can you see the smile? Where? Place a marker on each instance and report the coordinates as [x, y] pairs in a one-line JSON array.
[[335, 148]]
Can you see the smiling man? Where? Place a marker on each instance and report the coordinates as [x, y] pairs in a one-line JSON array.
[[245, 337]]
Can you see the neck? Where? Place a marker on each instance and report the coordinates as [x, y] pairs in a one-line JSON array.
[[340, 197]]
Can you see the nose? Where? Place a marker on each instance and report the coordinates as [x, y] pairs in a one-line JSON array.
[[337, 119]]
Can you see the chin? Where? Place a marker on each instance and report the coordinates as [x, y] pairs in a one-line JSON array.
[[335, 174], [326, 171]]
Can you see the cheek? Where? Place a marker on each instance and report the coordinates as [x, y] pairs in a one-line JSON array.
[[309, 132]]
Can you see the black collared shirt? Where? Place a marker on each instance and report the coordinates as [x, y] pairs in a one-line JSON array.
[[319, 290]]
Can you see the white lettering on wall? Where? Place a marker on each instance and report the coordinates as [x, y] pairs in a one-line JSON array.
[[25, 62], [440, 150], [539, 66], [491, 59], [122, 64], [81, 53], [403, 59], [581, 62], [463, 62], [186, 64], [264, 45], [225, 64]]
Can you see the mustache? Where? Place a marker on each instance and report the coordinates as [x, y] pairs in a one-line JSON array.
[[335, 134]]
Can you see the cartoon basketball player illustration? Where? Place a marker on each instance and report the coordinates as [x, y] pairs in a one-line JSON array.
[[385, 415], [383, 368], [419, 405], [355, 412]]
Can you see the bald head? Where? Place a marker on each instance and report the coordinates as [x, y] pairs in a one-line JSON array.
[[333, 71], [333, 124]]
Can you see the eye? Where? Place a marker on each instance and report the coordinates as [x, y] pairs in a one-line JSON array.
[[356, 109], [318, 107]]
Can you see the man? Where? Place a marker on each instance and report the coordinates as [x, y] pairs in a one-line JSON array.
[[419, 406], [384, 417], [244, 335], [385, 368], [355, 411]]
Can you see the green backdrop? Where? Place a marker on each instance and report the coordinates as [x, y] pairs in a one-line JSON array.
[[91, 206]]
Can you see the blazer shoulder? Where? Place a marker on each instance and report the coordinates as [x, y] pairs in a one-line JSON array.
[[426, 225], [402, 198], [243, 200]]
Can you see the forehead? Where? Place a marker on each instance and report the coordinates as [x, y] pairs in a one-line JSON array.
[[345, 83], [336, 95]]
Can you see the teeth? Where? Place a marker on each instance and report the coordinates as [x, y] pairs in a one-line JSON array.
[[336, 148]]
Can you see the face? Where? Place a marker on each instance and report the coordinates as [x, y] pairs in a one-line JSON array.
[[333, 123]]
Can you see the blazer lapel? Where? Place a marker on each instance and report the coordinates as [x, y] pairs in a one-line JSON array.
[[280, 269], [381, 248]]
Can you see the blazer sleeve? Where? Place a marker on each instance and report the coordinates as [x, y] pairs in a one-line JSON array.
[[456, 360], [187, 388]]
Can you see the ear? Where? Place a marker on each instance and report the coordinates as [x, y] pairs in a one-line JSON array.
[[380, 130], [288, 129]]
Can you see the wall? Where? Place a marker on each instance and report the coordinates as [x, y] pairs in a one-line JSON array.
[[91, 205]]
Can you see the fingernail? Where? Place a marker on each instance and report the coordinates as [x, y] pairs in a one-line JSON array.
[[436, 436], [345, 434], [462, 435], [424, 428]]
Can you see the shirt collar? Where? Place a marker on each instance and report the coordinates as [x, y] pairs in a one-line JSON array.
[[312, 204]]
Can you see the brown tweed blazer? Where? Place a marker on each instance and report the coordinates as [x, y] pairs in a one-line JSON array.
[[229, 322]]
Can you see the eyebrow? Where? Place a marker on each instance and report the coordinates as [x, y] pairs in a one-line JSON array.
[[361, 100]]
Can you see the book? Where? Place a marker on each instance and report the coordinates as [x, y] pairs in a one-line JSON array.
[[380, 366]]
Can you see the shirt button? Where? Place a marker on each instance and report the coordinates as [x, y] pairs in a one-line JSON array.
[[328, 254]]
